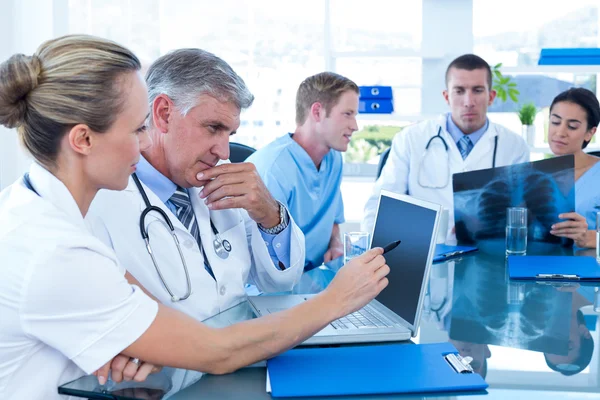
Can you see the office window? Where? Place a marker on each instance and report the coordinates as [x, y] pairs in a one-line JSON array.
[[514, 31], [131, 23], [376, 25], [393, 71], [272, 45]]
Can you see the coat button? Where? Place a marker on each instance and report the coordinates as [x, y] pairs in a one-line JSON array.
[[223, 291], [278, 245]]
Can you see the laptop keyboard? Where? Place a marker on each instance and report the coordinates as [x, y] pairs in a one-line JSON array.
[[366, 317]]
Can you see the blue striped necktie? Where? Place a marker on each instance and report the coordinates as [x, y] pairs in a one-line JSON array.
[[465, 145], [185, 214]]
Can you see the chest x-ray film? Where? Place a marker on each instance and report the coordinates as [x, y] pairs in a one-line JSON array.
[[488, 309], [545, 188]]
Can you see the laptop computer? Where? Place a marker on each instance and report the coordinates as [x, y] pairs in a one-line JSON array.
[[395, 313]]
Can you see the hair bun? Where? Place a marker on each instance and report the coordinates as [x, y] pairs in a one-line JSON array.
[[18, 77]]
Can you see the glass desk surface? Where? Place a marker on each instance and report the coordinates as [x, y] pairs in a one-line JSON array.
[[516, 332]]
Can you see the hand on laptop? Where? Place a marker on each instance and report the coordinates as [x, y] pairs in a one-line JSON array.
[[359, 281]]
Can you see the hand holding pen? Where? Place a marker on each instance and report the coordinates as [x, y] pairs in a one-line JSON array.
[[391, 246]]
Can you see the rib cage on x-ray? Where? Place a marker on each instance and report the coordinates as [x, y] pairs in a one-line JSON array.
[[538, 192], [488, 309], [545, 188]]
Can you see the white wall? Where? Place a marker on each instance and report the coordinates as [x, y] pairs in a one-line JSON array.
[[447, 34], [23, 30]]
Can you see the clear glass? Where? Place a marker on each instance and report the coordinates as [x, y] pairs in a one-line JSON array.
[[598, 236], [516, 230], [355, 243]]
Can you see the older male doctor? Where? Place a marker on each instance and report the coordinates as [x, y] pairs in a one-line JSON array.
[[424, 156], [190, 230]]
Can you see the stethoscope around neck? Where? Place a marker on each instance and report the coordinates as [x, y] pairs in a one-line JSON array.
[[222, 247], [446, 149], [439, 136]]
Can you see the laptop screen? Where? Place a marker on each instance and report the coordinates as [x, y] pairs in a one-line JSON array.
[[414, 226]]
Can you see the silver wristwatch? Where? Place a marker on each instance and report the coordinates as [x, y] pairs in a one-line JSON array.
[[284, 220]]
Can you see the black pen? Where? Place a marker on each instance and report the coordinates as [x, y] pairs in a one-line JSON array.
[[391, 246]]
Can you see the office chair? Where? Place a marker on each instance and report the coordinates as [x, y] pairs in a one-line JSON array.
[[239, 152], [382, 159]]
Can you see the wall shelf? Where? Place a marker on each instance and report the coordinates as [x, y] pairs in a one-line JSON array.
[[552, 69], [395, 117]]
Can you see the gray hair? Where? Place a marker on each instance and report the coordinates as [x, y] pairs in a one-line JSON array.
[[186, 74]]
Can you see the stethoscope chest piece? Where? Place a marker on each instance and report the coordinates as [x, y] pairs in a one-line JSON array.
[[222, 247]]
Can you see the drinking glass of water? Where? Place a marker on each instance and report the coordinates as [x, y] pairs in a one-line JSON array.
[[516, 230], [355, 243], [598, 236]]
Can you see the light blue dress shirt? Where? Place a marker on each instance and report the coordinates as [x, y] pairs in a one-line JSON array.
[[587, 195], [312, 195], [278, 245], [457, 134]]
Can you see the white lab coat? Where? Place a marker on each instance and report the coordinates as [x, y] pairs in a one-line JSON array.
[[65, 306], [249, 260], [401, 171]]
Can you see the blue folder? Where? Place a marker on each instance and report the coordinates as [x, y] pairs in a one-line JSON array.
[[376, 106], [376, 92], [370, 369], [556, 268], [444, 252], [570, 56]]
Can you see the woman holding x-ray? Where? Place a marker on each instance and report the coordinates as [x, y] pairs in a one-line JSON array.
[[424, 156]]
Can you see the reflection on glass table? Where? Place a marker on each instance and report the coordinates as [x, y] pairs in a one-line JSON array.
[[534, 336], [529, 340], [155, 387]]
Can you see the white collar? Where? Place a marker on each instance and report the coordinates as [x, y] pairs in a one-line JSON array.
[[491, 132], [51, 189]]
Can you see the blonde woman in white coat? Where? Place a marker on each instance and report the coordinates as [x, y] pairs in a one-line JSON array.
[[80, 107]]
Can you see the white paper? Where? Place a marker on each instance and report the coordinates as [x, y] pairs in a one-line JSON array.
[[268, 382]]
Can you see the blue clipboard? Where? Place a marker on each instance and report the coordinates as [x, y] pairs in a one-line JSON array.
[[554, 268], [371, 369], [444, 252]]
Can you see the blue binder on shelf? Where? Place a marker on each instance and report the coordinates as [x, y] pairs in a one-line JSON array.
[[554, 268], [376, 92], [371, 369], [570, 56], [444, 252], [373, 106]]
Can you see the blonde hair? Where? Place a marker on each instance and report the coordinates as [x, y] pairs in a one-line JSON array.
[[325, 88], [70, 80]]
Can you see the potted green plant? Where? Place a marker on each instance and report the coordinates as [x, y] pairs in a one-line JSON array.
[[527, 113], [504, 86]]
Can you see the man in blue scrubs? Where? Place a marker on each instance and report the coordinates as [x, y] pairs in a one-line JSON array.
[[303, 169]]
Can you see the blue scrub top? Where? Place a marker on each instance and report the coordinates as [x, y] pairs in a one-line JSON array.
[[587, 195], [312, 196]]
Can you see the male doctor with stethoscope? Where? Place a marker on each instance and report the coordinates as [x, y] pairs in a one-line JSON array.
[[189, 229], [424, 156]]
